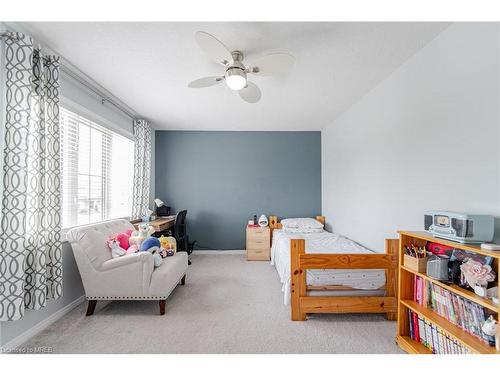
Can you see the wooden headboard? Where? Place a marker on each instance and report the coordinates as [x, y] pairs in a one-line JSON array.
[[274, 222]]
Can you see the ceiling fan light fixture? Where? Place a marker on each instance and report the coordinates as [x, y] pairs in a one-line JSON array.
[[236, 78], [235, 72]]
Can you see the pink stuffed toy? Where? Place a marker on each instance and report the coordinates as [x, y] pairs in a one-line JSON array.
[[132, 249], [123, 238]]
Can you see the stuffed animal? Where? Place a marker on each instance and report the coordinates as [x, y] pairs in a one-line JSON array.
[[138, 236], [490, 327], [132, 249], [116, 249], [168, 246], [152, 244], [123, 239], [163, 253]]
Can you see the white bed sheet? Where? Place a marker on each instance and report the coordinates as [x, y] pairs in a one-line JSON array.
[[323, 242]]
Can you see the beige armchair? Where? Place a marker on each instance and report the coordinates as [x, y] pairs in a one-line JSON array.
[[130, 277]]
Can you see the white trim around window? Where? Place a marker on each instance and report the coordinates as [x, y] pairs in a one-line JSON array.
[[84, 112]]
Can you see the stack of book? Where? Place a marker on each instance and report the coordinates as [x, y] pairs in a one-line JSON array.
[[433, 337], [466, 314]]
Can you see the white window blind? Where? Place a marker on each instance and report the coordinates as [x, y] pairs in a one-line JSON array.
[[97, 171]]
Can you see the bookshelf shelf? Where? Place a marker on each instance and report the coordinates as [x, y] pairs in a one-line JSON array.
[[407, 303], [457, 245], [411, 346], [485, 302], [467, 339]]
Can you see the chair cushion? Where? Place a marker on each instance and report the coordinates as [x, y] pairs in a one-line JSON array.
[[166, 277]]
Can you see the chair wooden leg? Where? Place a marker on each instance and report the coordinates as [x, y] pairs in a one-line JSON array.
[[91, 307], [183, 280], [163, 302]]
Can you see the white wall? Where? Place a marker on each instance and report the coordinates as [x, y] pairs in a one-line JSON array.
[[425, 138]]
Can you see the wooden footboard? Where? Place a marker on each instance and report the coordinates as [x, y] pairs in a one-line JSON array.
[[301, 303]]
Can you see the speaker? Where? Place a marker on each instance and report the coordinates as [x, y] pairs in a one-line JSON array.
[[427, 221], [463, 228], [163, 211]]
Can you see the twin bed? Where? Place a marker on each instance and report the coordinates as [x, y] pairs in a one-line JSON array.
[[324, 272]]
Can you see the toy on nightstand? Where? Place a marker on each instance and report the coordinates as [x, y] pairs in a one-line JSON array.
[[168, 246]]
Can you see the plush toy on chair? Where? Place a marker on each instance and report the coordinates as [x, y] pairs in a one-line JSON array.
[[138, 236], [124, 240], [168, 246], [152, 244], [116, 249]]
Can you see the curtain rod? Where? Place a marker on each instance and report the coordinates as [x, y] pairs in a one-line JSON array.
[[104, 98], [81, 81]]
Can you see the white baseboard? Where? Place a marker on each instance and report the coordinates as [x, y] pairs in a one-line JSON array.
[[218, 252], [40, 326]]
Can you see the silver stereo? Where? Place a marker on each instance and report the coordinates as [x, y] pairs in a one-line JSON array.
[[460, 227]]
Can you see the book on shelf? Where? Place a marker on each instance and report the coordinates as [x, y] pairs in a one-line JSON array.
[[466, 314], [433, 337]]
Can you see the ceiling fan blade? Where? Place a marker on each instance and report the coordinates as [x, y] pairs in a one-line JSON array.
[[205, 82], [274, 63], [213, 47], [250, 93]]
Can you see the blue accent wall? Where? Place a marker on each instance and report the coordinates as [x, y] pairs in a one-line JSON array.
[[224, 178]]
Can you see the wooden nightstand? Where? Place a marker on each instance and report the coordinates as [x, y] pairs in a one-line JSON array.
[[258, 243]]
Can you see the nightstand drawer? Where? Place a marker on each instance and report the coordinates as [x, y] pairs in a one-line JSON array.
[[258, 254], [258, 243], [258, 232]]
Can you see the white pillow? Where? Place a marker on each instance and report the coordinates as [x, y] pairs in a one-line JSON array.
[[303, 230], [302, 223]]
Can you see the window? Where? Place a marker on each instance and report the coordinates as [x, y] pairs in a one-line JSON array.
[[97, 171]]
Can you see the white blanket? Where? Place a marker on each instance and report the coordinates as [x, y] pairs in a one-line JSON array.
[[326, 243]]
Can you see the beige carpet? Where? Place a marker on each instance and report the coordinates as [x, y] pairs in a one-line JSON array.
[[228, 305]]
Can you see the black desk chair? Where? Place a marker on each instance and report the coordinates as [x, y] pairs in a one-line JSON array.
[[180, 232]]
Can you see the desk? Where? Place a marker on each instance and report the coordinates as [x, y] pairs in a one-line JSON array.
[[160, 224]]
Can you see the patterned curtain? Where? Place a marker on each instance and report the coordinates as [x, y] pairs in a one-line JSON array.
[[142, 167], [30, 244]]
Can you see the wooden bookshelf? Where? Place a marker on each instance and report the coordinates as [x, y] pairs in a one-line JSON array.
[[411, 346], [406, 302]]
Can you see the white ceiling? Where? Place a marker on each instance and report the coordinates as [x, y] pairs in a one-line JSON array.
[[148, 66]]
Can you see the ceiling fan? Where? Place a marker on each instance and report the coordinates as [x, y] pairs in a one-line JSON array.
[[235, 74]]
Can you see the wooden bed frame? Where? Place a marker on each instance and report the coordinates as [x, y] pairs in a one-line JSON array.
[[302, 303]]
